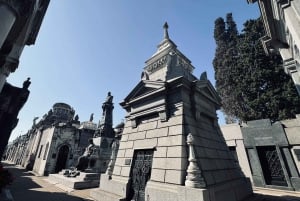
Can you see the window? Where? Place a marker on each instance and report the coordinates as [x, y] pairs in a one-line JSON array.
[[46, 151], [41, 148]]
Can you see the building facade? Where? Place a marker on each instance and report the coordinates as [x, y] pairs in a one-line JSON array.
[[267, 152], [281, 21], [57, 141], [171, 146], [20, 23]]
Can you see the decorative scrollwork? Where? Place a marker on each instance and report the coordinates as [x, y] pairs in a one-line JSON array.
[[141, 171]]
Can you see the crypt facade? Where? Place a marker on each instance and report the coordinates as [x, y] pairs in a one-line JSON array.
[[172, 147]]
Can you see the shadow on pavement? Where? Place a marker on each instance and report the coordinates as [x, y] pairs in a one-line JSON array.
[[264, 197], [25, 188]]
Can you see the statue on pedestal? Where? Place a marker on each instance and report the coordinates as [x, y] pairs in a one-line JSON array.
[[83, 161]]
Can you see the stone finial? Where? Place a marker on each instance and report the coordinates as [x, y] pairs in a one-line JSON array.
[[166, 34], [194, 177], [92, 117], [203, 76]]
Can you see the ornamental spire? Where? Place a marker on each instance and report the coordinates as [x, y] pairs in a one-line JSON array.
[[166, 34]]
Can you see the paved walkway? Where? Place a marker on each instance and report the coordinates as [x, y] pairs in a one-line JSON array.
[[27, 186]]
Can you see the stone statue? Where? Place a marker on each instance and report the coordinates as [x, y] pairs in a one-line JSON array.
[[34, 121], [92, 117], [109, 98], [26, 83], [108, 101], [76, 117], [83, 161]]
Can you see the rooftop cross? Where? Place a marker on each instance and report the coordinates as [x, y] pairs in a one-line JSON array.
[[166, 34]]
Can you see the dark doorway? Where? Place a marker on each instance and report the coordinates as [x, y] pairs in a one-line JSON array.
[[62, 158], [140, 174], [271, 166]]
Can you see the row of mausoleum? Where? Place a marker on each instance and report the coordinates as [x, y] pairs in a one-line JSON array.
[[267, 152], [58, 139]]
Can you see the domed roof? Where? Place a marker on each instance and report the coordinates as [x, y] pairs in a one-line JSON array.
[[62, 105]]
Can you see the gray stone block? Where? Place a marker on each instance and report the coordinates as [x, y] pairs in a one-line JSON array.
[[160, 152], [171, 140], [170, 163], [176, 130], [145, 144], [158, 175], [157, 133], [137, 136], [175, 177], [177, 151]]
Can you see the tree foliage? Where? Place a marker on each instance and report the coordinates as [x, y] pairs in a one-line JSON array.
[[251, 84]]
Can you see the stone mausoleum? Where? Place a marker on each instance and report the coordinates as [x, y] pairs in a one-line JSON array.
[[268, 152], [172, 148]]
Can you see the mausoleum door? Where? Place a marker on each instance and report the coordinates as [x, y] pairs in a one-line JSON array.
[[140, 174], [271, 166], [62, 158]]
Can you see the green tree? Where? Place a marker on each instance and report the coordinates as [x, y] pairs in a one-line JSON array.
[[251, 84]]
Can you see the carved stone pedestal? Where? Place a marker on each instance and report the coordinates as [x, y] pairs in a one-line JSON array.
[[82, 181]]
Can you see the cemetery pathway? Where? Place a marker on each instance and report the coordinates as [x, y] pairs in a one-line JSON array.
[[27, 186]]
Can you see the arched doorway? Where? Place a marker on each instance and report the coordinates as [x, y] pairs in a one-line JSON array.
[[62, 158]]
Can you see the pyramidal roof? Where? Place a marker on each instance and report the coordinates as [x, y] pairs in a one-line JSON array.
[[167, 62], [166, 42]]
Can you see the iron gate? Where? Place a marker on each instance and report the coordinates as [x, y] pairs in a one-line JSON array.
[[271, 166], [140, 174]]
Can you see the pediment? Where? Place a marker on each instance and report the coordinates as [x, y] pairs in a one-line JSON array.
[[207, 89], [144, 87]]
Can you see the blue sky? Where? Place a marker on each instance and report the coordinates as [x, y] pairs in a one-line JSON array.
[[86, 48]]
